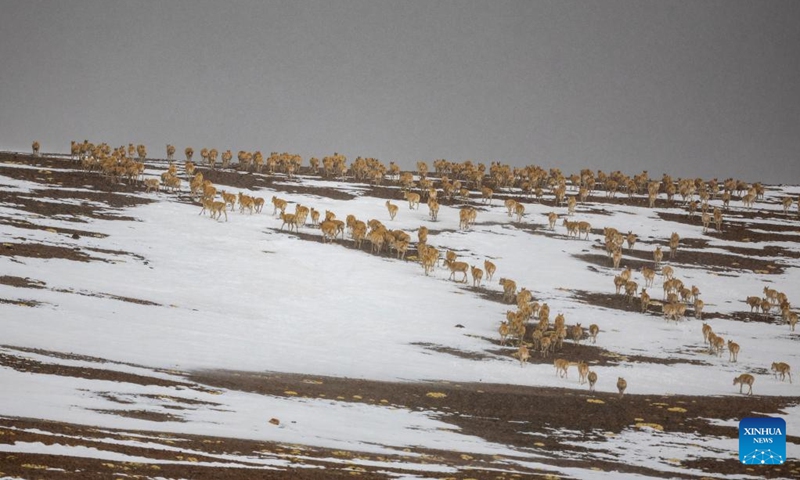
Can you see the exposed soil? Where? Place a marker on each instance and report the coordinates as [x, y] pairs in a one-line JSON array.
[[736, 230], [707, 260], [531, 419]]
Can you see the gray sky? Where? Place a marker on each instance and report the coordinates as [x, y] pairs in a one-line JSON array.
[[690, 88]]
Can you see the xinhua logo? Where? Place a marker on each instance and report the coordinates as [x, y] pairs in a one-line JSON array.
[[762, 441]]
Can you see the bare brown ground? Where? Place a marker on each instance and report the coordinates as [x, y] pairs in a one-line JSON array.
[[499, 413]]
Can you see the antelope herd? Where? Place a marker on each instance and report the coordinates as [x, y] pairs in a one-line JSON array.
[[456, 183]]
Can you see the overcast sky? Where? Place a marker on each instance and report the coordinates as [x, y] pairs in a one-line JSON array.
[[690, 88]]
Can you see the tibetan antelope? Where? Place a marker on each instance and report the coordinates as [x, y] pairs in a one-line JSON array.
[[524, 354], [733, 350], [454, 267], [644, 299], [706, 332], [509, 289], [631, 239], [510, 204], [552, 217], [392, 209], [413, 199], [698, 308], [674, 241], [621, 386], [577, 333], [288, 219], [593, 331], [658, 255], [583, 372], [490, 269], [744, 379], [477, 275], [783, 369], [562, 367]]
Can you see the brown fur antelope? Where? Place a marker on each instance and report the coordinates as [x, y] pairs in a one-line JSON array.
[[649, 276], [698, 308], [644, 299], [674, 241], [246, 202], [771, 294], [151, 184], [477, 275], [754, 303], [562, 367], [218, 209], [206, 202], [509, 289], [766, 306], [787, 203], [782, 369], [744, 379], [278, 204], [552, 218], [359, 233], [524, 354], [545, 345], [706, 221], [631, 239], [258, 204], [510, 204], [229, 199], [658, 255], [577, 333], [572, 228], [288, 219], [504, 331], [35, 147], [486, 195], [619, 283], [621, 386], [392, 209], [631, 288], [433, 209], [519, 210], [592, 377], [467, 217], [170, 151], [583, 372], [584, 228], [413, 199], [422, 234], [733, 350], [490, 269], [454, 267], [718, 218], [706, 332], [593, 331], [667, 272], [328, 228], [616, 257], [717, 344]]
